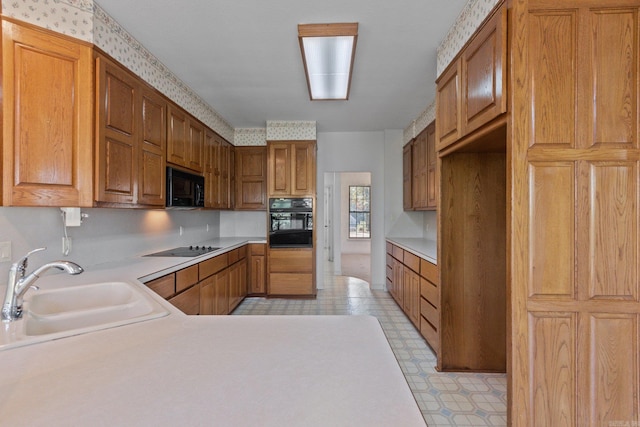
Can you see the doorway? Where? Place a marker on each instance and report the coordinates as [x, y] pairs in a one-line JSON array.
[[347, 238]]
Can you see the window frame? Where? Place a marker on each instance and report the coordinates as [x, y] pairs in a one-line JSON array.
[[368, 212]]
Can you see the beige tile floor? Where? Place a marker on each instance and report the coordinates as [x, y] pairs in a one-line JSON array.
[[445, 399]]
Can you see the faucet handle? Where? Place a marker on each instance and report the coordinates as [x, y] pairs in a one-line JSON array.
[[22, 263]]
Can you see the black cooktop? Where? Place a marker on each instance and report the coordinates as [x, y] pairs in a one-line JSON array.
[[185, 251]]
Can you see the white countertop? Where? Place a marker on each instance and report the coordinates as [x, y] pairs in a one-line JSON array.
[[207, 370], [424, 248]]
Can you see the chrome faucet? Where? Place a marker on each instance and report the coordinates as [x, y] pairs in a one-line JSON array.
[[19, 284]]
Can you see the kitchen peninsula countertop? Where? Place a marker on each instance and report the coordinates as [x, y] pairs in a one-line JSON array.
[[206, 370], [423, 248]]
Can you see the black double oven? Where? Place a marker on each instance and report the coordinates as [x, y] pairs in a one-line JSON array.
[[291, 222]]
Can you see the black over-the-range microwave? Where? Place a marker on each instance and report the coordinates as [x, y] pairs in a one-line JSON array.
[[184, 190]]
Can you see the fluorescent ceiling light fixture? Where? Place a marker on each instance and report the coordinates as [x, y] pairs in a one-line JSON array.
[[327, 54]]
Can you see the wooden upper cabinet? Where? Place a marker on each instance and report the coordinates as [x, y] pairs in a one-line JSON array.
[[177, 137], [419, 171], [303, 169], [196, 146], [407, 177], [279, 169], [152, 151], [251, 178], [216, 170], [419, 164], [292, 168], [117, 130], [432, 164], [472, 91], [47, 108], [448, 105], [130, 139], [483, 84], [185, 140]]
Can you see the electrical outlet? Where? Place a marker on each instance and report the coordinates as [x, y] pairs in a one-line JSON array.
[[181, 230], [5, 251]]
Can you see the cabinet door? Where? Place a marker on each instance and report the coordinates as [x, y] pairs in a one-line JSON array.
[[195, 149], [224, 183], [47, 116], [257, 275], [251, 178], [178, 137], [432, 161], [448, 107], [117, 132], [419, 178], [279, 169], [482, 81], [207, 296], [153, 145], [303, 168], [211, 171], [221, 292], [188, 301], [407, 192]]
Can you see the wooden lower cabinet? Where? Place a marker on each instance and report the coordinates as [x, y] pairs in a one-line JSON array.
[[188, 301], [291, 272], [412, 282], [257, 269], [215, 286]]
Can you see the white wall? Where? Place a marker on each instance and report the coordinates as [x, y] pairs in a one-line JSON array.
[[357, 152], [243, 223], [106, 235], [351, 246]]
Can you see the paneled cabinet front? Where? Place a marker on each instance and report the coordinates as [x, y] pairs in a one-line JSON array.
[[292, 168], [185, 140], [419, 171], [130, 139], [251, 178], [217, 158], [47, 119]]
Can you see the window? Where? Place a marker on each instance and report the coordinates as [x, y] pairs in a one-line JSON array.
[[359, 214]]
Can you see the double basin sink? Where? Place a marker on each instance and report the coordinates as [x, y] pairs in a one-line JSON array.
[[73, 310]]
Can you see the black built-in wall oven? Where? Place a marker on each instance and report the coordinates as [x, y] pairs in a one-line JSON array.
[[291, 222]]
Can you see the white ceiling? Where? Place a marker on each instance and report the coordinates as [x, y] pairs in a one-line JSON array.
[[243, 58]]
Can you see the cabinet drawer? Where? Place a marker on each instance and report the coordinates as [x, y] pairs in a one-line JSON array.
[[164, 286], [429, 271], [430, 313], [213, 265], [398, 253], [290, 261], [290, 284], [186, 277], [429, 291], [412, 261], [242, 252], [389, 260], [189, 301], [389, 248], [429, 333], [234, 256]]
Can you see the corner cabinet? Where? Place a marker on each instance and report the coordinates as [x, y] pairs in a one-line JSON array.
[[217, 170], [47, 109], [292, 168]]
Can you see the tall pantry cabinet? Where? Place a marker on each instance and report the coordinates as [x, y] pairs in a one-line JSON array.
[[575, 219]]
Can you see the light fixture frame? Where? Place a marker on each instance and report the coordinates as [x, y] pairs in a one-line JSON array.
[[349, 29]]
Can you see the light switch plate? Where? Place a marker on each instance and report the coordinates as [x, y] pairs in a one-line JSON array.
[[5, 251]]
